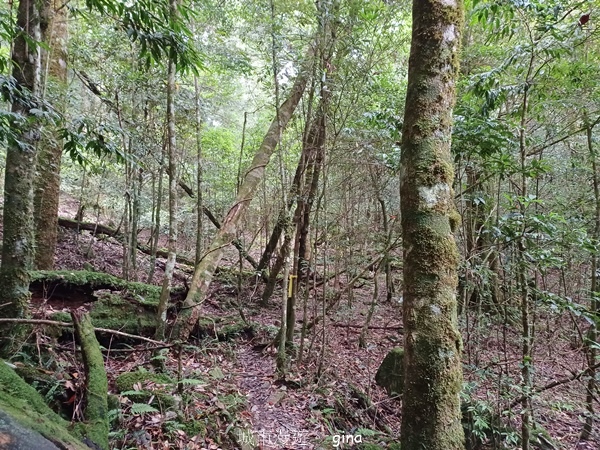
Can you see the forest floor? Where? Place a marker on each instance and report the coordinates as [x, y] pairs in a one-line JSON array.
[[303, 411], [231, 383]]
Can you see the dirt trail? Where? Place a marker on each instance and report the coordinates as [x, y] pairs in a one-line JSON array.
[[279, 415]]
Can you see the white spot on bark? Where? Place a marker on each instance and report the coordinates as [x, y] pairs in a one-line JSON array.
[[20, 245], [434, 194], [449, 33], [448, 3], [435, 309]]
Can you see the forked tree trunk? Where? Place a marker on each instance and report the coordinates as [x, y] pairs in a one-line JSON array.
[[204, 272], [47, 183], [18, 247], [294, 190], [283, 214], [297, 195], [317, 141], [431, 417]]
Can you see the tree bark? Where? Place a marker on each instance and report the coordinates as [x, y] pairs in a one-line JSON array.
[[199, 175], [47, 183], [431, 415], [18, 247], [281, 219], [154, 236], [592, 334], [316, 140], [163, 302], [227, 233]]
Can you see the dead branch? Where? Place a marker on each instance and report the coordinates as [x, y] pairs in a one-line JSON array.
[[553, 384], [70, 325], [371, 327]]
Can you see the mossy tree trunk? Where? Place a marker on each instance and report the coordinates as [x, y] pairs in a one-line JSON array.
[[18, 246], [431, 417], [47, 182], [96, 404], [204, 271]]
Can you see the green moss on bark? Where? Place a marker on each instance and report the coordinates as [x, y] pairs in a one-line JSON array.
[[144, 293], [113, 312], [96, 406], [432, 344]]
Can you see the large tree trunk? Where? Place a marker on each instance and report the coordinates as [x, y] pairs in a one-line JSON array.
[[431, 416], [47, 183], [204, 272], [18, 247]]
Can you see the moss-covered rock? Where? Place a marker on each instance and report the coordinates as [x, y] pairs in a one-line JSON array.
[[14, 436], [24, 404], [390, 374], [116, 313], [61, 316]]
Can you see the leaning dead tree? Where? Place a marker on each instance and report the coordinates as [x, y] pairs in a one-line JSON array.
[[205, 270]]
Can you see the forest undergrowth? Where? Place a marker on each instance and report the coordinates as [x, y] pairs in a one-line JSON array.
[[222, 390]]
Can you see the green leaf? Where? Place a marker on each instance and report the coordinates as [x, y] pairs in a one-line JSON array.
[[142, 408], [192, 382]]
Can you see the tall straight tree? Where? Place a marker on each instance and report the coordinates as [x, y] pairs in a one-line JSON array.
[[18, 241], [47, 183], [173, 181], [431, 416]]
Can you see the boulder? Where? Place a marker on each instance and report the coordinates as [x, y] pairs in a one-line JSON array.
[[390, 374]]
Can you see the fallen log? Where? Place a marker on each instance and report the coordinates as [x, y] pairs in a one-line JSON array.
[[96, 404], [371, 327], [99, 229], [114, 302], [57, 323]]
